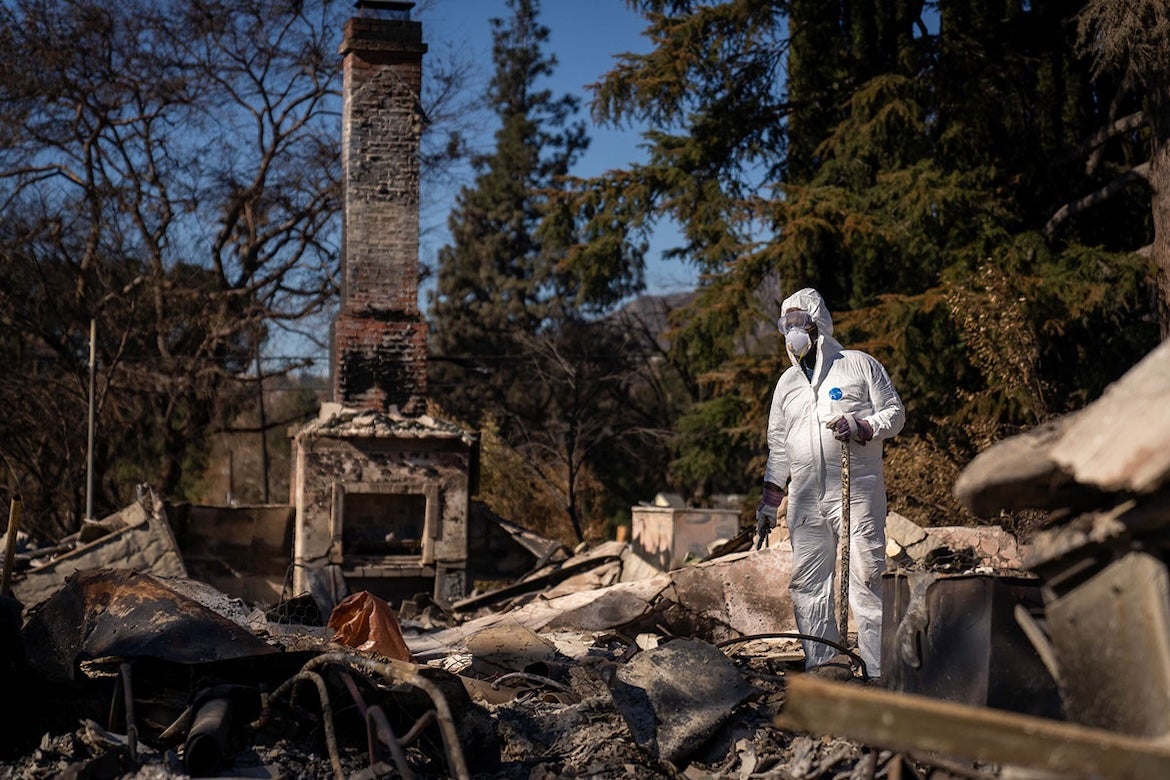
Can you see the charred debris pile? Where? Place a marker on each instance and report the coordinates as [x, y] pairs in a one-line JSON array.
[[999, 659]]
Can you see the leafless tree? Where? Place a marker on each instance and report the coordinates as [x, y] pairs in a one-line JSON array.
[[591, 393], [169, 169]]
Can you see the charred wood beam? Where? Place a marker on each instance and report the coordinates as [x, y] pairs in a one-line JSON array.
[[537, 582], [917, 724]]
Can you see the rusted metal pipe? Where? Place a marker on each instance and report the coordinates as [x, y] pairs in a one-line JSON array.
[[207, 741], [10, 544], [289, 687], [424, 720], [128, 700], [377, 722], [539, 679], [377, 730], [360, 702]]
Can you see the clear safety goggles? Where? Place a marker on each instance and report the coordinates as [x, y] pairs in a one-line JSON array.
[[796, 319]]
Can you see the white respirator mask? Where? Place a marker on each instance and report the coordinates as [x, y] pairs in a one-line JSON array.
[[798, 342]]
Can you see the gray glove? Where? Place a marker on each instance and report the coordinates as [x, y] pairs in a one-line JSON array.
[[764, 524], [771, 500]]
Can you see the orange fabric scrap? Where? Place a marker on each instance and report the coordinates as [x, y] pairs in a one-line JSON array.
[[366, 622]]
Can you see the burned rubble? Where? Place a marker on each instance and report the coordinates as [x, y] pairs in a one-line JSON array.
[[612, 669], [673, 654], [601, 663]]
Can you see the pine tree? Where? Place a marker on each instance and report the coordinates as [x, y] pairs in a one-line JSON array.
[[519, 341], [497, 282], [1129, 45], [907, 174]]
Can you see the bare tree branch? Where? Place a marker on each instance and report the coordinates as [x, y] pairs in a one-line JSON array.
[[1135, 174]]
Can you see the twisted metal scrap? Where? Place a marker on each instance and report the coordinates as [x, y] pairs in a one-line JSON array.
[[378, 729], [393, 672], [326, 712]]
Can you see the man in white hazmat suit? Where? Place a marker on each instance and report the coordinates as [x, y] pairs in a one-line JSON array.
[[829, 395]]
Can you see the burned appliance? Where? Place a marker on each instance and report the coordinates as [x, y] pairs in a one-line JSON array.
[[1102, 474], [956, 637]]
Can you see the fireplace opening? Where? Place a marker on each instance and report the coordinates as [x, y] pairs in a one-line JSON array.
[[384, 524]]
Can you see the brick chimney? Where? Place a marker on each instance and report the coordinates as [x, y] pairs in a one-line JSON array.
[[379, 336], [382, 490]]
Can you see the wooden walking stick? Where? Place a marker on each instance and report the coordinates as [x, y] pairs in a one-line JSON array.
[[843, 557]]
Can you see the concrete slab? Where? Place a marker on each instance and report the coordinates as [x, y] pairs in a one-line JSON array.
[[739, 594]]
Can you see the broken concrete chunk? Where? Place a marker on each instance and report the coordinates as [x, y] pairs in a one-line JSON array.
[[647, 641], [675, 696], [737, 595], [1118, 442], [600, 577], [903, 531], [635, 567], [1017, 473], [985, 545], [612, 608]]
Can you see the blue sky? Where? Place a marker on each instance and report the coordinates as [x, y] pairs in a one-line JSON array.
[[584, 35]]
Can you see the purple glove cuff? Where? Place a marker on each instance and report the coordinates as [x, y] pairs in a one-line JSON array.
[[772, 495], [864, 431]]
